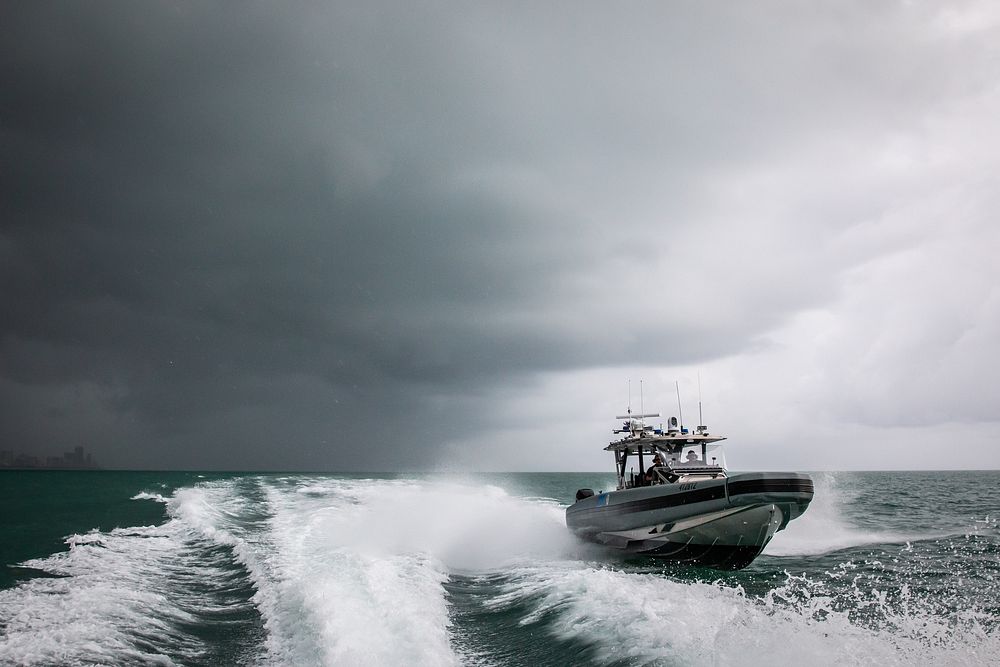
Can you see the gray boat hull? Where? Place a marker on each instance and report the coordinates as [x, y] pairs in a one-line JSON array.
[[723, 523]]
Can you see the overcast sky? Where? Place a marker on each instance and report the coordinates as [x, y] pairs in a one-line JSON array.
[[419, 236]]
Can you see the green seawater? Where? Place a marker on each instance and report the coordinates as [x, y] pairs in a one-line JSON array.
[[103, 567]]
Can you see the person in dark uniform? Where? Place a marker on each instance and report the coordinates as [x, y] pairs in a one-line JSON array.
[[651, 476]]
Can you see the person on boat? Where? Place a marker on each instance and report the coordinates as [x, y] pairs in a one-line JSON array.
[[650, 476], [692, 458]]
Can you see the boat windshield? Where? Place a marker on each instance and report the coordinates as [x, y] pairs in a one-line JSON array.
[[692, 455]]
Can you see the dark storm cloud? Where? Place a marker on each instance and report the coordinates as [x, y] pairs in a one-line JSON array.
[[252, 235]]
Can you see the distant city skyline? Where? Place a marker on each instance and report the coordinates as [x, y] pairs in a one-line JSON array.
[[77, 459]]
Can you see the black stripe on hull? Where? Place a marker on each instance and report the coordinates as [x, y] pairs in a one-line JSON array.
[[717, 492], [658, 502], [718, 556], [741, 487]]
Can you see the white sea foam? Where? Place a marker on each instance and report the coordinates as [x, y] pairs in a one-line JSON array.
[[823, 528], [145, 495], [466, 527], [383, 559], [114, 600], [352, 571], [647, 619]]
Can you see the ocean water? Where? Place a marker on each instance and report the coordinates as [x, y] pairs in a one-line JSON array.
[[294, 569]]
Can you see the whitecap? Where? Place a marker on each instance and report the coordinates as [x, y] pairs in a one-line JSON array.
[[145, 495]]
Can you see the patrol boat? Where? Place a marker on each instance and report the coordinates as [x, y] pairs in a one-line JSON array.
[[675, 500]]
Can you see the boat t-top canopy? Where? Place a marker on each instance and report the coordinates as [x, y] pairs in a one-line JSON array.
[[640, 437], [669, 442]]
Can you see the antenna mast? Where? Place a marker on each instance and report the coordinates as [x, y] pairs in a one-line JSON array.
[[679, 413], [701, 420]]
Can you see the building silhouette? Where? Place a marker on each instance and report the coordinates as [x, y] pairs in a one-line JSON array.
[[78, 459]]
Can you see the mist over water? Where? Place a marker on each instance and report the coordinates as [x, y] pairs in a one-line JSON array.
[[480, 570]]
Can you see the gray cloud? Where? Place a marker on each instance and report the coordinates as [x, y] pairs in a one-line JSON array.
[[259, 236]]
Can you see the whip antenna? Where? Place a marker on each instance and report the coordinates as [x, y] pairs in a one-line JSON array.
[[679, 413], [701, 420]]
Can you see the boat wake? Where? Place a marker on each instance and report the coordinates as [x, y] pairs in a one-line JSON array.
[[300, 570], [129, 595], [353, 571]]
